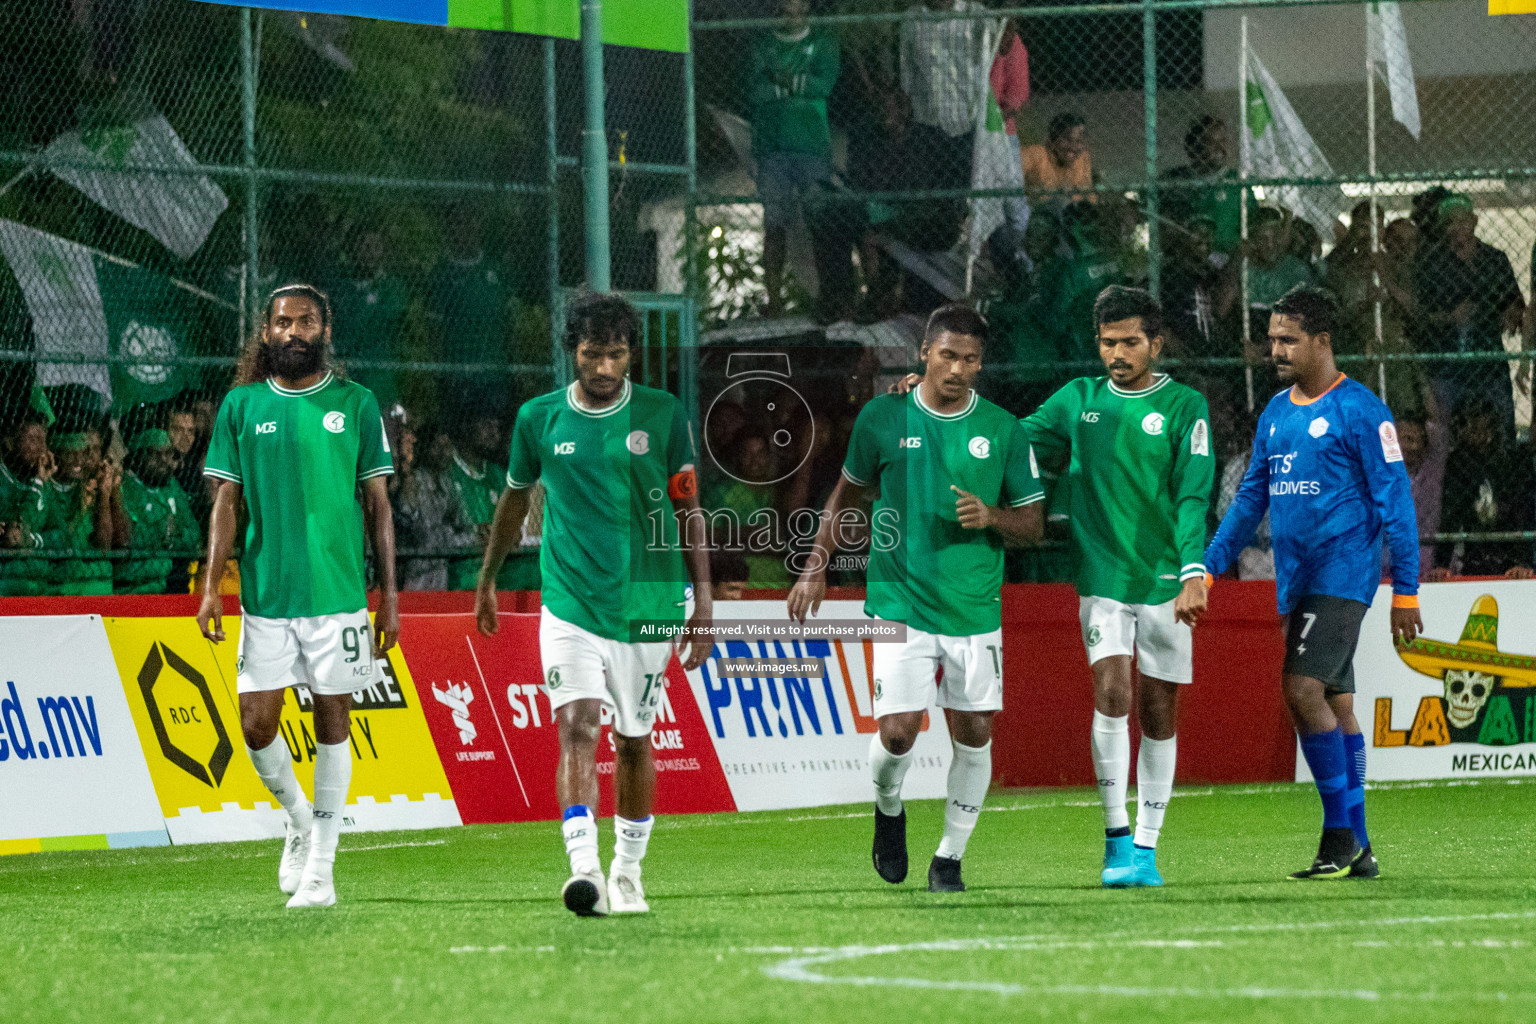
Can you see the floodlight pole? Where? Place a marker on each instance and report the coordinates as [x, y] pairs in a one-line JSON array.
[[594, 148]]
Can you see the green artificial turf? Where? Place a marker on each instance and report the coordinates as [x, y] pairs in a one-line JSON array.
[[779, 917]]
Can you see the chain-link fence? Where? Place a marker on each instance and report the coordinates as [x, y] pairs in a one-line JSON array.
[[164, 163], [862, 165]]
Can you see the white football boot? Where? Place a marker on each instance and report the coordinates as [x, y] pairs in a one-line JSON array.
[[290, 870], [585, 894], [625, 895]]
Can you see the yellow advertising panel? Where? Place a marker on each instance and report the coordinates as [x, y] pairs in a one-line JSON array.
[[1512, 6], [181, 693]]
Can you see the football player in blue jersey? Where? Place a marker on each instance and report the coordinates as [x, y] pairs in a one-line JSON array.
[[1328, 468]]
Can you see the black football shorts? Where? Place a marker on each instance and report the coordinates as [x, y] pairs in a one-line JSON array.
[[1321, 634]]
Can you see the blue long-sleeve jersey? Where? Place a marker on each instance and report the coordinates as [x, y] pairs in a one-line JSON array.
[[1331, 474]]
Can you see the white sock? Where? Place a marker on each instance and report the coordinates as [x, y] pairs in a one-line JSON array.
[[275, 766], [333, 777], [1112, 765], [1154, 786], [970, 773], [580, 831], [888, 770], [629, 840]]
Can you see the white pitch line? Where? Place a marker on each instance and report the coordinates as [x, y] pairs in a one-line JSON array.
[[802, 967], [391, 846]]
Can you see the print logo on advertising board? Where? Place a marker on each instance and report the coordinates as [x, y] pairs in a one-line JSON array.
[[201, 747], [1488, 696], [62, 717]]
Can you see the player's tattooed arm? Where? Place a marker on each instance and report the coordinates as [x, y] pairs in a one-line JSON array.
[[221, 541], [506, 532], [699, 639], [1018, 526], [811, 589], [381, 527]]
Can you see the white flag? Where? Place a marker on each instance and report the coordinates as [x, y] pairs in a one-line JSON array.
[[58, 279], [995, 158], [1387, 44], [1277, 145], [178, 208]]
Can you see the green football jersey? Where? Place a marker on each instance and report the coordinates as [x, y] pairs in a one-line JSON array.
[[610, 554], [78, 575], [299, 456], [29, 504], [925, 569], [480, 490], [1138, 478], [162, 521]]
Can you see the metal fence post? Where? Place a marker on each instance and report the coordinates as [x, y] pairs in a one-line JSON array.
[[687, 325], [552, 233], [594, 148], [248, 159], [1149, 89]]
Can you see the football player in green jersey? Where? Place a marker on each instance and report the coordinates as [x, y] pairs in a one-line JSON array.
[[305, 450], [956, 480], [1137, 451], [617, 463]]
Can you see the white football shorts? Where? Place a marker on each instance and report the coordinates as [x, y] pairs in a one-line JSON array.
[[1163, 646], [330, 654], [580, 665], [906, 673]]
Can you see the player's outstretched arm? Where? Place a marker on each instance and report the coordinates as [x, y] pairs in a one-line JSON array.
[[506, 531], [1019, 526], [221, 541], [381, 527], [811, 589], [694, 535]]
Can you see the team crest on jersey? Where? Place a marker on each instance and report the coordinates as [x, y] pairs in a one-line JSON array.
[[553, 679], [1094, 636], [1390, 449], [1152, 423], [980, 447], [879, 689], [1318, 427], [335, 422], [638, 442]]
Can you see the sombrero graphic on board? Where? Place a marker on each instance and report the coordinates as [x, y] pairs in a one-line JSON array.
[[1476, 651]]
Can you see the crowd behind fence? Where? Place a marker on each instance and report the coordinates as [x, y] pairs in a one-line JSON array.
[[812, 178]]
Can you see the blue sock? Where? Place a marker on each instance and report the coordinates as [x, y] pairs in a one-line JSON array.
[[1354, 753], [1324, 752]]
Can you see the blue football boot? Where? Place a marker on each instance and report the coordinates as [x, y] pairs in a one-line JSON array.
[[1119, 868], [1145, 861]]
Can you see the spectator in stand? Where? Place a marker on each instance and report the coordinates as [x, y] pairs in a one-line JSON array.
[[1219, 199], [479, 476], [29, 518], [1190, 283], [190, 446], [939, 64], [1426, 445], [1063, 163], [792, 72], [369, 315], [429, 514], [1073, 282], [1489, 488], [728, 573], [88, 494], [160, 519], [1010, 88], [1467, 299], [746, 496], [470, 302], [1273, 270]]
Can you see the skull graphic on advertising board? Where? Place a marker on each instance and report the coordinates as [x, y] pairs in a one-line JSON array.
[[1465, 694]]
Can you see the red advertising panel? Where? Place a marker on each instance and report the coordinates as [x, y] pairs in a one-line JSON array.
[[491, 720]]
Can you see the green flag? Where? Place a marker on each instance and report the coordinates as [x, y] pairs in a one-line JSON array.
[[84, 306]]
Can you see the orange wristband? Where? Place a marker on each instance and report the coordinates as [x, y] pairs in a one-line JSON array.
[[1405, 600], [1210, 581]]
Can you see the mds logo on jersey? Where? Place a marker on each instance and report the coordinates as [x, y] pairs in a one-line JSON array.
[[565, 448], [269, 427], [909, 442]]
